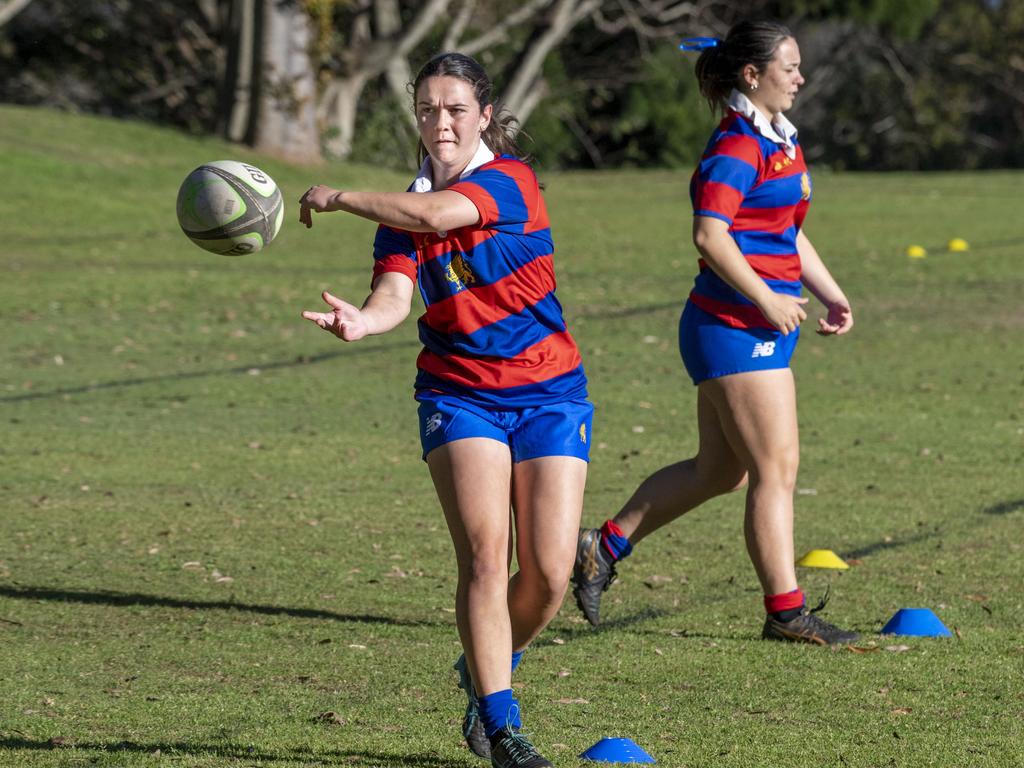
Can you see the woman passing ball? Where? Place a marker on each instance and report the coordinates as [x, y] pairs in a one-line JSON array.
[[504, 417]]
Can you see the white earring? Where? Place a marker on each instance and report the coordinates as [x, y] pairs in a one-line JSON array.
[[753, 87]]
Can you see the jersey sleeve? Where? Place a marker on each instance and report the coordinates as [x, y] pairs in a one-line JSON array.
[[727, 172], [506, 195], [394, 251]]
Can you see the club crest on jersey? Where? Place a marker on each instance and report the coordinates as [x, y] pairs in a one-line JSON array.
[[785, 163], [458, 273], [805, 186]]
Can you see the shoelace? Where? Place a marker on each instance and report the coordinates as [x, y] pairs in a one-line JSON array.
[[824, 600], [465, 681], [817, 620], [518, 746]]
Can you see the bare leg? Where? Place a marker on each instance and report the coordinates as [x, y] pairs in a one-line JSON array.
[[473, 482], [676, 489], [757, 411], [548, 501]]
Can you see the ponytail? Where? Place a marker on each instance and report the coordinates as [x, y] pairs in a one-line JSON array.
[[715, 77], [500, 133]]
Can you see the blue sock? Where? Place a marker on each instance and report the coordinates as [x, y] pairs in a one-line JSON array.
[[615, 544], [517, 656], [499, 710]]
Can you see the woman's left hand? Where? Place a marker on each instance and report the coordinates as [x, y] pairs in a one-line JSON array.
[[320, 199], [839, 321], [345, 321]]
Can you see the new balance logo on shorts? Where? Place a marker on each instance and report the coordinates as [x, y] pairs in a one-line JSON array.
[[764, 349], [433, 422]]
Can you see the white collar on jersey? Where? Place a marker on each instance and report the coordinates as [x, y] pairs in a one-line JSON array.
[[780, 130], [424, 179]]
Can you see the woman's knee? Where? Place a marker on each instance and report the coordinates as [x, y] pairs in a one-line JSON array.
[[485, 570], [780, 472], [547, 586]]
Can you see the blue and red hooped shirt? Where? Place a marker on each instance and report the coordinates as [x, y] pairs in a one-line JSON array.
[[752, 176], [493, 331]]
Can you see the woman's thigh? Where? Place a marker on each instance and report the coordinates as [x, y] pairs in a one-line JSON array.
[[473, 482], [757, 414], [548, 501], [717, 462]]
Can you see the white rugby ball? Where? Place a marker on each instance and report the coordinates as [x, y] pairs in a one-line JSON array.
[[230, 208]]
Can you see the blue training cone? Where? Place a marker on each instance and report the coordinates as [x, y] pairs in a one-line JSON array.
[[921, 622], [609, 750]]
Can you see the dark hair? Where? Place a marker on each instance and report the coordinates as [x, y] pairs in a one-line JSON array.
[[748, 42], [500, 134]]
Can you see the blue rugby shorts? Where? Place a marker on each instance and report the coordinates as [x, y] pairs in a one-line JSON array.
[[560, 429], [711, 349]]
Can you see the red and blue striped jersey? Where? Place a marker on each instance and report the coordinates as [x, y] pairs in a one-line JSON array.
[[493, 331], [751, 183]]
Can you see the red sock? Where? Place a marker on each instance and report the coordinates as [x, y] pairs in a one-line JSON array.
[[787, 601]]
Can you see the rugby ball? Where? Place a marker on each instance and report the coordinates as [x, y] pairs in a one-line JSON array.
[[230, 208]]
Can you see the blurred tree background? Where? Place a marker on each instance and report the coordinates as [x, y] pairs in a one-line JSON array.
[[917, 84]]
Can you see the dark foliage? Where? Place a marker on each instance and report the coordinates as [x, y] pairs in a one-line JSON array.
[[157, 60], [926, 84]]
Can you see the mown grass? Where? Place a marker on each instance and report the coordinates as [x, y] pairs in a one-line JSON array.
[[219, 546]]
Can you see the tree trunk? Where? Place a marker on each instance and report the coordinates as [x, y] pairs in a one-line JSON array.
[[398, 74], [338, 110], [521, 96], [268, 95], [236, 86], [10, 9], [286, 96], [371, 53]]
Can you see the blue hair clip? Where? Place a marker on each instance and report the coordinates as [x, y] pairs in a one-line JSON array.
[[699, 43]]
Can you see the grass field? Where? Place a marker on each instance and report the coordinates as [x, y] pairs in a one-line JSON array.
[[219, 546]]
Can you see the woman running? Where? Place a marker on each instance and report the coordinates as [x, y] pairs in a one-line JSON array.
[[738, 331]]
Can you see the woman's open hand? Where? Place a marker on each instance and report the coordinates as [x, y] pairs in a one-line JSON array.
[[344, 320]]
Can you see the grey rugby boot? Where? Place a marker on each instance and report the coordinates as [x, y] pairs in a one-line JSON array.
[[807, 628], [472, 727], [510, 749], [592, 574]]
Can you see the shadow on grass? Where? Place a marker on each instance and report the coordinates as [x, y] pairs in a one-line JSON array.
[[603, 313], [374, 759], [234, 371], [584, 631], [881, 546], [1005, 507], [123, 599], [234, 751], [709, 638], [294, 363]]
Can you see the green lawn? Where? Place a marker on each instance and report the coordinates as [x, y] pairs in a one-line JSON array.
[[219, 546]]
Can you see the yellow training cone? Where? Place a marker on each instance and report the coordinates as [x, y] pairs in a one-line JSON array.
[[916, 252], [957, 244], [822, 558]]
